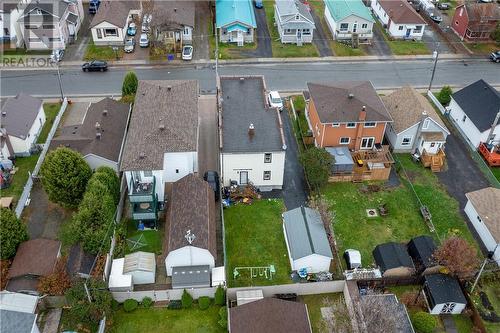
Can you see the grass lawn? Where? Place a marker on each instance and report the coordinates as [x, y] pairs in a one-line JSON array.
[[342, 50], [94, 52], [483, 48], [314, 305], [299, 105], [464, 324], [68, 323], [285, 50], [51, 110], [353, 229], [491, 287], [496, 172], [404, 47], [151, 239], [165, 320], [24, 164], [254, 237], [227, 50]]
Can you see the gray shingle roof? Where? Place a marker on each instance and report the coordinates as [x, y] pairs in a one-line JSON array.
[[443, 288], [164, 119], [19, 113], [305, 233], [190, 276], [244, 103], [480, 102], [83, 138], [16, 322], [293, 7], [392, 255], [173, 14], [114, 12]]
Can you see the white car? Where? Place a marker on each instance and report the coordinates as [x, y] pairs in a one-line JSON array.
[[129, 45], [187, 52], [275, 100], [144, 40], [146, 19]]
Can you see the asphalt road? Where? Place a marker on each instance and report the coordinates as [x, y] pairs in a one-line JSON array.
[[285, 77]]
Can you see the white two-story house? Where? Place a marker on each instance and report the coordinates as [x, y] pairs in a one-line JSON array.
[[399, 18], [294, 21], [253, 144], [349, 18], [10, 29]]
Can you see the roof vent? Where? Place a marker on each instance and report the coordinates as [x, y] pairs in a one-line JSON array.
[[105, 113], [251, 130], [364, 108], [161, 127], [169, 88], [98, 136], [97, 125], [4, 113], [142, 155], [175, 9], [351, 96], [242, 79]]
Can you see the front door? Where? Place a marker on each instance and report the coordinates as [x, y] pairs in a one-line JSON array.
[[243, 177], [367, 143], [408, 32], [355, 27]]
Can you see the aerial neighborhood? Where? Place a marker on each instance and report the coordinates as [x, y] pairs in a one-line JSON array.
[[250, 166]]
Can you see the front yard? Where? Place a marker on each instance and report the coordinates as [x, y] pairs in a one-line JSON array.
[[51, 110], [165, 320], [483, 48], [404, 47], [94, 52], [254, 237], [353, 229]]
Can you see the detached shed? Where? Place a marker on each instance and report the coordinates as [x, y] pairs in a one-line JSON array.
[[393, 260], [141, 266], [444, 294], [117, 280], [421, 250], [218, 276], [190, 277], [248, 296], [343, 162], [306, 240]]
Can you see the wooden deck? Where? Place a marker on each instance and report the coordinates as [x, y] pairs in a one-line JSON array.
[[434, 161]]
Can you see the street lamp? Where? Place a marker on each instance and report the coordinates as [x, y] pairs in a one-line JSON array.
[[435, 56]]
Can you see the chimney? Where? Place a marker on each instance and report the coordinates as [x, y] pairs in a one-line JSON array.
[[142, 156], [175, 9], [4, 113], [251, 131], [169, 88], [105, 113], [362, 114], [351, 96], [98, 135]]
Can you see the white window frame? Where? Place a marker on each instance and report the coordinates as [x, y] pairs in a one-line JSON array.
[[344, 143], [368, 140], [336, 125], [350, 125], [111, 34], [426, 123], [410, 139], [267, 175], [268, 157], [364, 26], [344, 29], [370, 124], [400, 28]]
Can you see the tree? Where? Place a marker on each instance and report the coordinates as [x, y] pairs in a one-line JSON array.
[[444, 96], [337, 319], [317, 164], [64, 176], [220, 296], [458, 256], [107, 177], [12, 233], [186, 299], [495, 35], [424, 322], [130, 84]]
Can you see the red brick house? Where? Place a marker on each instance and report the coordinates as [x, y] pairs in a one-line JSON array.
[[475, 21]]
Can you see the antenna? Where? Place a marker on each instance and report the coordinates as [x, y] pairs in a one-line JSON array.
[[190, 237]]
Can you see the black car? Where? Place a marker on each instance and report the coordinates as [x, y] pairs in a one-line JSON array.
[[495, 56], [95, 66], [212, 178], [444, 6]]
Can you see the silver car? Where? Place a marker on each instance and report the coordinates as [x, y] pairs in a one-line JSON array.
[[129, 45]]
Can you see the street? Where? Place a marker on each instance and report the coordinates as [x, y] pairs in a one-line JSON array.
[[283, 76]]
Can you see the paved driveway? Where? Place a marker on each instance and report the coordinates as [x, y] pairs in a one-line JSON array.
[[208, 146], [200, 33], [294, 183], [76, 51], [379, 46], [264, 49], [320, 37]]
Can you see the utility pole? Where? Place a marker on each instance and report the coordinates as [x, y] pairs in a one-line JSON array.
[[488, 257], [60, 82], [435, 56]]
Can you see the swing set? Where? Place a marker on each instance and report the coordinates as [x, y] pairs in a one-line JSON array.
[[267, 271]]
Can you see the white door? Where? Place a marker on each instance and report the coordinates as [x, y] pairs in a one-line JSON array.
[[239, 38], [355, 27], [243, 177], [367, 143]]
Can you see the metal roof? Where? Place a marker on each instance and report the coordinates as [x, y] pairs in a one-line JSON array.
[[305, 233], [139, 261], [233, 11], [16, 322], [190, 276], [340, 9]]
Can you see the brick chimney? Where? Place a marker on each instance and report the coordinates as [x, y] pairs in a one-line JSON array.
[[251, 131], [362, 114]]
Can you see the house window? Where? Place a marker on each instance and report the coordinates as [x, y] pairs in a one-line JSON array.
[[426, 124], [351, 125], [28, 26], [464, 118], [176, 170], [418, 29], [406, 141], [54, 39], [249, 31], [224, 31], [336, 125], [267, 175], [186, 31], [479, 218], [34, 39], [297, 17], [112, 32], [345, 140], [364, 26], [370, 124], [99, 33], [268, 158], [344, 26], [306, 31], [148, 173], [400, 28]]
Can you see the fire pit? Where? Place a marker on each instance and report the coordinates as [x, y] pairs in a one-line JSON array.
[[371, 212]]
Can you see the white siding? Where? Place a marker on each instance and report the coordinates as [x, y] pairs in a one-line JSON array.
[[22, 146], [314, 263], [188, 256], [230, 37], [393, 28], [482, 230], [178, 165], [396, 139], [95, 162], [467, 126], [109, 40], [334, 26], [253, 163]]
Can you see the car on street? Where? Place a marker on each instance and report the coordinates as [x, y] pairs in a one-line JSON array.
[[144, 40], [436, 18], [132, 29], [95, 66], [56, 55], [212, 178], [444, 5], [187, 52], [275, 100], [129, 45], [495, 56]]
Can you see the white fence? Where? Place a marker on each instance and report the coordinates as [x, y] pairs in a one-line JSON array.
[[309, 288], [163, 295], [29, 184]]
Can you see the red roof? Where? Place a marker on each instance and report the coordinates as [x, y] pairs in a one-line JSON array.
[[400, 12]]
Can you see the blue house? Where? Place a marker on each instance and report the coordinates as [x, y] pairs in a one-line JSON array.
[[235, 21]]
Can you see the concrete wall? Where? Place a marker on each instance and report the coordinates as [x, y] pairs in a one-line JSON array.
[[163, 295]]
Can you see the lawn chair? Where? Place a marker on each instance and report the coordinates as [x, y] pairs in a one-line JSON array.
[[383, 210]]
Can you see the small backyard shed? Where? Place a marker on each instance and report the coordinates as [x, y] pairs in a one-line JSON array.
[[190, 277], [393, 260], [117, 280], [421, 250], [343, 162], [141, 266], [248, 296], [218, 276], [444, 294], [306, 240]]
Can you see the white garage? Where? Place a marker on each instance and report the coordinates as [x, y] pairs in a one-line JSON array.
[[306, 240], [188, 256]]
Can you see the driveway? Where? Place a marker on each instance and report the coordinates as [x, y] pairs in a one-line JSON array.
[[208, 144], [264, 49], [379, 46], [76, 51], [294, 182], [320, 38], [200, 33]]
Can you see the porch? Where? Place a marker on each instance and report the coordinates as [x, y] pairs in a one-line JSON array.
[[433, 161]]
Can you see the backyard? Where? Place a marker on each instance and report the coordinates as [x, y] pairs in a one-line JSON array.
[[489, 288], [315, 303], [254, 237], [19, 179], [354, 229], [146, 240], [165, 320], [51, 110]]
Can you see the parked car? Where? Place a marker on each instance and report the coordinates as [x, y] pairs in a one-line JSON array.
[[436, 18], [132, 29], [146, 19], [94, 6], [212, 178], [187, 52], [129, 45], [275, 100], [444, 6], [259, 4], [495, 56], [144, 40], [95, 66], [56, 55]]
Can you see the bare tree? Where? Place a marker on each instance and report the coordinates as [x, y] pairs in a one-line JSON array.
[[382, 314], [335, 317], [458, 256]]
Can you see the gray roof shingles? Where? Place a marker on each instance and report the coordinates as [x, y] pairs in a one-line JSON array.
[[293, 7], [164, 119], [114, 12], [19, 113], [244, 103], [392, 255], [444, 288], [16, 322]]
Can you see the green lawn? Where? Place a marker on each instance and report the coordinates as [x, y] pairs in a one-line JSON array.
[[51, 110], [483, 48], [404, 47], [353, 229], [315, 303], [24, 164], [94, 52], [151, 239], [491, 287], [254, 237], [464, 324], [299, 105], [165, 320], [285, 50], [496, 172], [342, 50]]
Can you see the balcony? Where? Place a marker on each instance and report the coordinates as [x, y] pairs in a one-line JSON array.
[[141, 191]]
